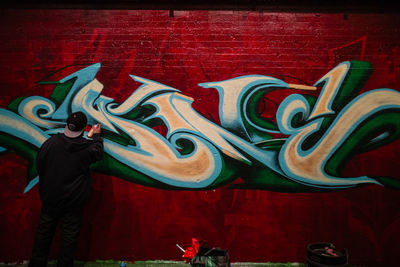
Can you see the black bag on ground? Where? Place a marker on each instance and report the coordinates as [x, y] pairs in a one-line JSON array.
[[325, 255], [211, 257]]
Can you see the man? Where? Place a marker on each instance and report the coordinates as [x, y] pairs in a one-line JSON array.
[[63, 164]]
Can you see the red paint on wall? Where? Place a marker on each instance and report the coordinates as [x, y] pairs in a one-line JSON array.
[[128, 221]]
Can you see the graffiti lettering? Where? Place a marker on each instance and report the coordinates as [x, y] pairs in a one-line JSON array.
[[318, 135]]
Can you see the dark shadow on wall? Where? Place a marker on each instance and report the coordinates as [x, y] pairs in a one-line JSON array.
[[97, 219]]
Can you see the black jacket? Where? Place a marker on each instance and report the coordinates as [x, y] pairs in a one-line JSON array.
[[63, 167]]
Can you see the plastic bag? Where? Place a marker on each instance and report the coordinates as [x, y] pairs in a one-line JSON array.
[[211, 257]]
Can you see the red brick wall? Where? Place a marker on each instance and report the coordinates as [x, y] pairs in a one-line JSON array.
[[125, 220]]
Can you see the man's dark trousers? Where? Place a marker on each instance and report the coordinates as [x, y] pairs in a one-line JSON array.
[[70, 223]]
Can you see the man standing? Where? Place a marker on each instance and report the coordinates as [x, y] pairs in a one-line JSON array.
[[63, 164]]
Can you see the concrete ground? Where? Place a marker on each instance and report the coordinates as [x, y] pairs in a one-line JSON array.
[[184, 264], [112, 263]]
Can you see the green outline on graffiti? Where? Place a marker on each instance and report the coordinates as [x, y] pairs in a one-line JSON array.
[[358, 142], [23, 149]]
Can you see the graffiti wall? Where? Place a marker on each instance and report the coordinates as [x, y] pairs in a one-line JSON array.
[[256, 132]]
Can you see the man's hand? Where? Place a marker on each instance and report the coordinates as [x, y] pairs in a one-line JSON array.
[[96, 129]]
